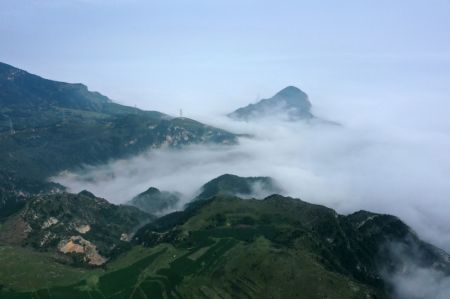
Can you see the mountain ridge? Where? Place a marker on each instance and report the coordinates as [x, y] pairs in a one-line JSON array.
[[48, 126], [220, 246]]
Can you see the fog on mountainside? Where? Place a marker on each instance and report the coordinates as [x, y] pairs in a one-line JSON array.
[[224, 149], [373, 166], [282, 148]]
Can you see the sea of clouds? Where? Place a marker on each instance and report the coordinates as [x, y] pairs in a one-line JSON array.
[[387, 171], [388, 160]]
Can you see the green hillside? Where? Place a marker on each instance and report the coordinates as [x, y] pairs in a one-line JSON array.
[[48, 126], [227, 247]]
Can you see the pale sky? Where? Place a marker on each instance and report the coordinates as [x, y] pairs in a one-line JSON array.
[[214, 56]]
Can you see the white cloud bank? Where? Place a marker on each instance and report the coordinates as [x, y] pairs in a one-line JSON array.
[[389, 170]]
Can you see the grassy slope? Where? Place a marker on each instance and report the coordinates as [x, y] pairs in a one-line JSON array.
[[225, 268], [25, 269]]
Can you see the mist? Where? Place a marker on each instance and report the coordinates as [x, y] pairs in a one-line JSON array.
[[412, 280], [386, 168], [420, 283], [391, 159]]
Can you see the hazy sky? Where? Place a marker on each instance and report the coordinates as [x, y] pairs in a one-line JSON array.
[[211, 56]]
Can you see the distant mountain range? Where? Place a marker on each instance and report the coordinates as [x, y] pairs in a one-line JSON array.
[[290, 103]]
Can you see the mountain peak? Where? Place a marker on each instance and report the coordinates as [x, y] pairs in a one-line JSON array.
[[290, 103], [151, 190], [291, 91], [154, 201]]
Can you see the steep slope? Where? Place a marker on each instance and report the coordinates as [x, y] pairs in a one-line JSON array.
[[246, 187], [81, 228], [290, 103], [154, 201], [48, 126]]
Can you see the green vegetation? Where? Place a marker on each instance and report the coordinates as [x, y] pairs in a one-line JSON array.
[[60, 245], [63, 220], [227, 247], [26, 269], [121, 283], [15, 191], [219, 267], [58, 126], [340, 255]]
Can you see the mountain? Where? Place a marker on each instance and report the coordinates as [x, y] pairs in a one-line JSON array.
[[22, 89], [154, 201], [282, 247], [246, 187], [220, 247], [77, 228], [48, 126], [290, 103], [236, 239]]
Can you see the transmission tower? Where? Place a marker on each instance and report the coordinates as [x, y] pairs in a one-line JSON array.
[[11, 127]]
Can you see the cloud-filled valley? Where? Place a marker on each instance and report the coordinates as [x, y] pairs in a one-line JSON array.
[[386, 169]]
